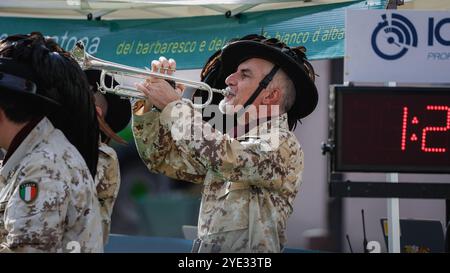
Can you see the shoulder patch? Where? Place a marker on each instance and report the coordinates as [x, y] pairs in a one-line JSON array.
[[28, 191]]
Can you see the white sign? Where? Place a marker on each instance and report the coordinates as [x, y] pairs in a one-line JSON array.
[[398, 46]]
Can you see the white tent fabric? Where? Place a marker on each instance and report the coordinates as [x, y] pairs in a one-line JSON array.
[[144, 9], [427, 5], [147, 9]]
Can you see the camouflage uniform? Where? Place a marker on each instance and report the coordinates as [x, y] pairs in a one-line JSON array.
[[107, 182], [65, 212], [249, 182]]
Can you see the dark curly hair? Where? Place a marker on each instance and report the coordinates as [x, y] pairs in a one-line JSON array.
[[59, 77]]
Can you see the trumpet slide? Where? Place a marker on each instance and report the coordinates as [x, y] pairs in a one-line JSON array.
[[87, 61]]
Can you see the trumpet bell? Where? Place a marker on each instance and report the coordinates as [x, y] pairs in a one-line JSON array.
[[79, 54]]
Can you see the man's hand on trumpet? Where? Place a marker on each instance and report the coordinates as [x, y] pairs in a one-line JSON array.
[[158, 91]]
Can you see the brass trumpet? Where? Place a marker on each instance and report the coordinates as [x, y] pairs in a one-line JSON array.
[[87, 61]]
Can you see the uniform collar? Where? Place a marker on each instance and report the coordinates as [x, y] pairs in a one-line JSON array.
[[37, 134], [20, 136]]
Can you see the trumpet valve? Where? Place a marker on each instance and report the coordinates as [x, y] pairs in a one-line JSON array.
[[101, 89]]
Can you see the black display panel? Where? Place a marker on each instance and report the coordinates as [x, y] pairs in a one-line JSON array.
[[392, 129]]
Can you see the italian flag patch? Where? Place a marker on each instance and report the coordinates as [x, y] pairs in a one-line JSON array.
[[28, 191]]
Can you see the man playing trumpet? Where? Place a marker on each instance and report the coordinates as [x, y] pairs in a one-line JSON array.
[[250, 175]]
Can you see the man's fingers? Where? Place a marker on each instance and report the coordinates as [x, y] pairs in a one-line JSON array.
[[180, 88], [164, 64], [156, 65], [162, 59], [172, 66], [142, 87]]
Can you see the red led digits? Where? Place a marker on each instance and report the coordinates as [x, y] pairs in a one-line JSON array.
[[405, 119], [435, 129]]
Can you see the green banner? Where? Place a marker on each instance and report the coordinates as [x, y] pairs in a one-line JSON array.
[[191, 40]]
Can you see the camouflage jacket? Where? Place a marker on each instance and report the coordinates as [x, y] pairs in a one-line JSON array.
[[107, 182], [48, 202], [250, 182]]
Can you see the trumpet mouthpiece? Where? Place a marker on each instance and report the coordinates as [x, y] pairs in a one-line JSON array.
[[226, 91]]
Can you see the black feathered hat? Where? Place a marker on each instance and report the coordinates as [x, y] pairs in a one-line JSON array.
[[291, 60], [18, 81]]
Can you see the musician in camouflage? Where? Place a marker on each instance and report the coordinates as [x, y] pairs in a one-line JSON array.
[[113, 114], [60, 213], [251, 175], [48, 198]]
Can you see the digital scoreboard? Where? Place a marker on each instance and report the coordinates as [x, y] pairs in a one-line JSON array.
[[391, 129]]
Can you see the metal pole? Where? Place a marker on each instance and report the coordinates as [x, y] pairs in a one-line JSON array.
[[393, 218]]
